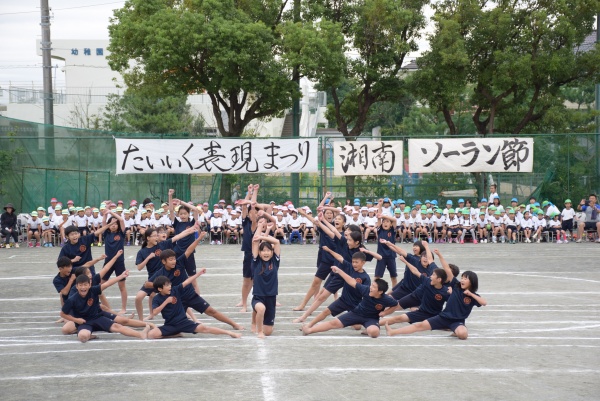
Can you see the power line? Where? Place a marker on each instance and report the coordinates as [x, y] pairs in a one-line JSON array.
[[66, 8]]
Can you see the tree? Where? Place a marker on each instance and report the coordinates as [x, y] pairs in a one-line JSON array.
[[379, 34], [515, 55]]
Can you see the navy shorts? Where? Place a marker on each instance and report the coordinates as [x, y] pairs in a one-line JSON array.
[[195, 301], [441, 323], [512, 228], [418, 316], [148, 291], [109, 315], [82, 230], [247, 265], [270, 303], [389, 263], [118, 268], [453, 230], [323, 271], [338, 306], [334, 283], [567, 225], [190, 265], [409, 301], [398, 292], [184, 327], [101, 323], [351, 318]]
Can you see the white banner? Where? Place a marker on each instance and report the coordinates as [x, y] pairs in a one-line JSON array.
[[367, 158], [470, 155], [216, 156]]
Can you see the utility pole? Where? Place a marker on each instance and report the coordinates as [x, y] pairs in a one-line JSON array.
[[47, 64], [295, 177]]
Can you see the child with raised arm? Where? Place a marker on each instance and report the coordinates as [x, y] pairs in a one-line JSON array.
[[458, 308], [248, 228], [350, 297], [181, 223], [83, 309], [366, 313], [326, 238], [386, 231], [421, 259], [435, 294], [265, 268], [170, 303]]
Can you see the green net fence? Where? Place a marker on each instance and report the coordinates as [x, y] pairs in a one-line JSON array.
[[39, 162]]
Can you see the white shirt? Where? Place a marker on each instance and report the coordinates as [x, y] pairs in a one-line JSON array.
[[438, 221], [370, 221], [307, 223], [554, 223], [568, 214], [537, 222], [295, 223], [481, 220], [216, 222], [452, 221], [80, 221], [47, 226], [527, 223], [34, 224]]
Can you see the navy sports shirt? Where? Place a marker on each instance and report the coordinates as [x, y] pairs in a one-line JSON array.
[[433, 299], [389, 235], [153, 264], [173, 313], [87, 307], [410, 282], [247, 235], [113, 243], [182, 244], [176, 276], [264, 274], [326, 240], [80, 248], [370, 307], [459, 305], [350, 295]]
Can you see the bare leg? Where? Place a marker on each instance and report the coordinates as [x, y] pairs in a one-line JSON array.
[[104, 301], [413, 328], [246, 286], [126, 331], [326, 312], [212, 312], [125, 321], [312, 290], [259, 318], [139, 307], [322, 297], [123, 290], [330, 325], [215, 330]]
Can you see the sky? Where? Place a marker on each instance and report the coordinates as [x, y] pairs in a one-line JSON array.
[[72, 19]]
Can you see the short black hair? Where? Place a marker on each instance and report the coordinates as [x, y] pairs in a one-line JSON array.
[[382, 285], [183, 207], [81, 279], [441, 273], [360, 256], [79, 270], [455, 270], [167, 253], [70, 229], [160, 282], [63, 261], [356, 236], [353, 227]]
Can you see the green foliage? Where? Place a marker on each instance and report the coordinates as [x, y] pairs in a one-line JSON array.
[[513, 57], [6, 159]]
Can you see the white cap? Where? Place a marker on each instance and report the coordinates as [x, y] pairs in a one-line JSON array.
[[279, 213]]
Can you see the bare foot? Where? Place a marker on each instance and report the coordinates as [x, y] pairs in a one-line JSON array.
[[298, 308], [261, 335], [277, 303], [388, 329], [357, 327], [93, 337], [234, 335], [132, 315], [253, 328], [145, 332], [61, 320], [152, 325], [364, 333], [244, 309], [122, 312], [305, 330], [298, 320], [239, 304], [453, 335], [238, 327], [149, 317]]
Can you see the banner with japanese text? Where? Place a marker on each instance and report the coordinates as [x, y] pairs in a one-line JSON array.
[[367, 158], [470, 155], [216, 156]]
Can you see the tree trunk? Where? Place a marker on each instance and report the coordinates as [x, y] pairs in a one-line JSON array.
[[225, 190], [350, 186]]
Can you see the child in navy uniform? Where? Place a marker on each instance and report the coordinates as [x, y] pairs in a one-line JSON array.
[[386, 231], [265, 266], [435, 294], [169, 302], [350, 297], [374, 301], [83, 309], [248, 227], [174, 269], [422, 259], [78, 248], [458, 308]]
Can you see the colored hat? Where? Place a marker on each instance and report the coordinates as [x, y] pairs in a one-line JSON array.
[[222, 201], [119, 201], [41, 209], [514, 200], [554, 214], [401, 202], [536, 204], [497, 213], [427, 201], [545, 203], [484, 199], [466, 210], [522, 205], [461, 200], [119, 209], [364, 208], [157, 211], [407, 209], [492, 207], [434, 202], [9, 205], [482, 212], [45, 219], [355, 212], [510, 211], [423, 207], [397, 211], [386, 200], [417, 202], [229, 207], [34, 214], [369, 202], [125, 210], [540, 212], [458, 210], [327, 201], [356, 200], [58, 208], [429, 211], [53, 200], [133, 202], [95, 210], [567, 201], [449, 202], [356, 203], [451, 211], [495, 197], [70, 202], [423, 211], [71, 209], [65, 212], [279, 213]]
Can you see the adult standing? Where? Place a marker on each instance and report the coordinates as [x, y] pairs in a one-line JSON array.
[[8, 224], [592, 216]]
